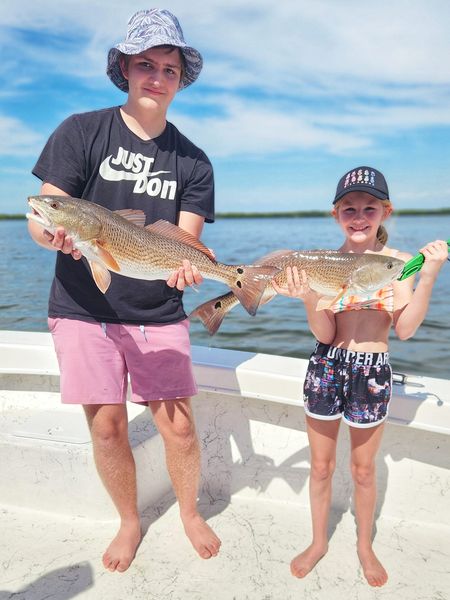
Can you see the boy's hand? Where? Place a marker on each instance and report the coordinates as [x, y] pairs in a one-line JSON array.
[[60, 241], [435, 253], [187, 275]]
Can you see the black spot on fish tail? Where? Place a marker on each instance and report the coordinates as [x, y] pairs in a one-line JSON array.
[[250, 287], [212, 313]]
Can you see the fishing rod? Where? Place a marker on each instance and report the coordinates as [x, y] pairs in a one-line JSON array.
[[414, 264]]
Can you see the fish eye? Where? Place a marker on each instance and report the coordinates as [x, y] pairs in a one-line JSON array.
[[389, 265], [54, 204]]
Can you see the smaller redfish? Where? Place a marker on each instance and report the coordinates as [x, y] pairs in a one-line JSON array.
[[330, 273]]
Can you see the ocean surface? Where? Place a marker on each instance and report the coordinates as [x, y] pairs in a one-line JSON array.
[[279, 327]]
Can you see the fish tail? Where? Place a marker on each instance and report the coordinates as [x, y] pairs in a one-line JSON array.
[[212, 312], [250, 283]]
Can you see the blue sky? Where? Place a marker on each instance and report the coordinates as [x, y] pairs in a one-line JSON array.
[[293, 93]]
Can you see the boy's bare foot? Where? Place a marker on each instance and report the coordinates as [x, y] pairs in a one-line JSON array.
[[201, 536], [305, 562], [121, 551], [373, 570]]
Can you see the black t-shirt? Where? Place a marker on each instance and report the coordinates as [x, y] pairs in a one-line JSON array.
[[96, 157]]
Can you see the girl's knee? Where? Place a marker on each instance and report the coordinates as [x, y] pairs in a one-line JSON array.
[[322, 469], [363, 474]]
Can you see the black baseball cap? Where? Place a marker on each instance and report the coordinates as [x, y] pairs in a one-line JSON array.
[[362, 179]]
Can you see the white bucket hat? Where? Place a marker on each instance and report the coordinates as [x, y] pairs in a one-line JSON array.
[[147, 29]]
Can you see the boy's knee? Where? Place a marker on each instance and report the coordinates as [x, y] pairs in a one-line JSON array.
[[182, 435], [108, 429]]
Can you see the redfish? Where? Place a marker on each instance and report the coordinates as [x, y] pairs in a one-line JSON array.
[[118, 241], [330, 273]]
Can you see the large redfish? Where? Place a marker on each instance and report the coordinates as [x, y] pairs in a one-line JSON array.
[[330, 273], [118, 241]]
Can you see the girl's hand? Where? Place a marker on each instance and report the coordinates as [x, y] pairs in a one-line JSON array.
[[297, 285], [435, 253]]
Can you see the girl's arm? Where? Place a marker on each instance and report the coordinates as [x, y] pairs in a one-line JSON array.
[[321, 322], [411, 306]]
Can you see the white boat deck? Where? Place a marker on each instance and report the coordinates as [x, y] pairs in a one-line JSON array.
[[56, 519]]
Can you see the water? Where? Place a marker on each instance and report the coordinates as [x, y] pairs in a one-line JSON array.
[[279, 327]]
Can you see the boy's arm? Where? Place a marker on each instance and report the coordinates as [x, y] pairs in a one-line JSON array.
[[411, 306], [58, 240]]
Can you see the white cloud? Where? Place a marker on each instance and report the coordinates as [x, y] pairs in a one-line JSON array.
[[255, 128], [18, 140]]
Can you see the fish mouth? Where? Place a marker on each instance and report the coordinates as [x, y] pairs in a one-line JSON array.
[[399, 270], [36, 215]]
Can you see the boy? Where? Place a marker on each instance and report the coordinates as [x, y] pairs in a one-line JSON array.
[[131, 157]]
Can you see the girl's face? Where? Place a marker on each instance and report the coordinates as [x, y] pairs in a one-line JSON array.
[[360, 214]]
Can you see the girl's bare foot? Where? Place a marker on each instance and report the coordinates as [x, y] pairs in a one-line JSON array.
[[373, 570], [201, 536], [120, 553], [305, 562]]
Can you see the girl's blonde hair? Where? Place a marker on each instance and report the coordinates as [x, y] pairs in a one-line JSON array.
[[382, 234]]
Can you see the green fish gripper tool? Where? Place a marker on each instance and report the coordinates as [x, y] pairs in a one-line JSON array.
[[413, 265]]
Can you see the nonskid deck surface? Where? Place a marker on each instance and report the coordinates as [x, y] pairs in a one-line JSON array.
[[51, 557]]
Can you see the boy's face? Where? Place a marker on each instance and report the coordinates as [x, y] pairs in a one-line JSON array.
[[153, 75]]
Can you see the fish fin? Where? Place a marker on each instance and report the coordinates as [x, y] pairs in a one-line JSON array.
[[335, 299], [250, 283], [102, 276], [339, 296], [213, 312], [135, 216], [107, 258], [178, 234], [273, 257]]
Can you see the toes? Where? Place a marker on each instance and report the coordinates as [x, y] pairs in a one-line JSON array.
[[123, 566], [214, 547], [213, 550], [300, 573], [109, 563]]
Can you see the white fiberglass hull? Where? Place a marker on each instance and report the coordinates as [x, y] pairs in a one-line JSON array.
[[58, 519]]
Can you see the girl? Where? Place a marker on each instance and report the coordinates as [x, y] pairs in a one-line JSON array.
[[349, 376]]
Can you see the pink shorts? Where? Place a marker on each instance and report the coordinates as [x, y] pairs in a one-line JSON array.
[[95, 360]]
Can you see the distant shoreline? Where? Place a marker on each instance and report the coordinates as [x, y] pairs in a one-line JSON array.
[[287, 215]]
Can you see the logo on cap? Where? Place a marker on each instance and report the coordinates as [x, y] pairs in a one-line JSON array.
[[360, 177]]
